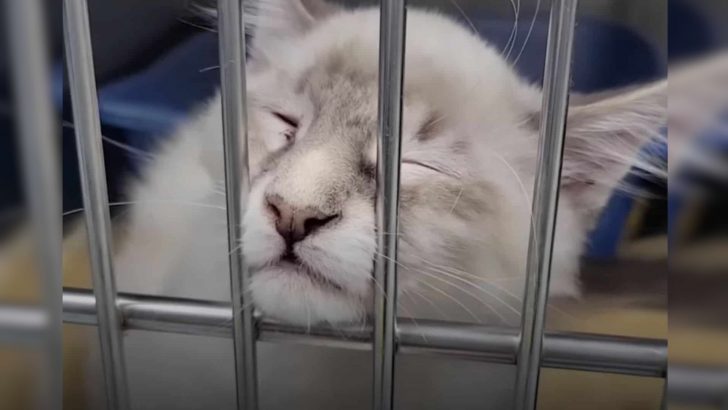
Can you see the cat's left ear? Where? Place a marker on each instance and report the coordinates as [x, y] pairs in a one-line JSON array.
[[274, 23], [605, 136]]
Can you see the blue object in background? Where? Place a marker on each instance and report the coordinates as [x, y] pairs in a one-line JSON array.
[[153, 101], [606, 55]]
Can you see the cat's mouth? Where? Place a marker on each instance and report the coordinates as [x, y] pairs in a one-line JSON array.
[[291, 290], [291, 264]]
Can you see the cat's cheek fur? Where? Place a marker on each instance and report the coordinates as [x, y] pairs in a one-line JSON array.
[[344, 252]]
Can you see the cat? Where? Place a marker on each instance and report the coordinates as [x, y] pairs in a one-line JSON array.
[[470, 137]]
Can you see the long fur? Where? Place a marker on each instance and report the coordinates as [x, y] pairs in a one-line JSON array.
[[469, 153]]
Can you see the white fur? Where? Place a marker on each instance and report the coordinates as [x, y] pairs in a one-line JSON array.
[[480, 99], [178, 247]]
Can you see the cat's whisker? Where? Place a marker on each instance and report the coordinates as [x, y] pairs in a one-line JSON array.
[[508, 292], [405, 292], [511, 294], [336, 328], [472, 276], [133, 150], [455, 202], [380, 287], [434, 305], [136, 151], [530, 31], [450, 297], [470, 283], [524, 192], [308, 316], [447, 282], [490, 282], [450, 272], [468, 292], [414, 321], [197, 26], [392, 233], [171, 202], [210, 68], [465, 16], [482, 289], [506, 52]]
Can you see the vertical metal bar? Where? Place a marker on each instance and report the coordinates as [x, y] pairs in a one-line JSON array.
[[84, 102], [391, 77], [237, 181], [38, 141], [546, 195]]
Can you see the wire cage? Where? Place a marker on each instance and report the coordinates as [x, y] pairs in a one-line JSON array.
[[529, 348]]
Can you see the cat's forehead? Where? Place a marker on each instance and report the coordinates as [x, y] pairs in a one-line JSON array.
[[336, 83], [446, 66]]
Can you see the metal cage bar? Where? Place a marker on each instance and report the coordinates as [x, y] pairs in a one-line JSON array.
[[545, 199], [391, 75], [565, 350], [38, 141], [235, 137], [84, 102]]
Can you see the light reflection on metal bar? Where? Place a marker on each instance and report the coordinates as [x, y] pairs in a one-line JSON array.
[[391, 73], [599, 353], [38, 142], [235, 137], [557, 74], [84, 102]]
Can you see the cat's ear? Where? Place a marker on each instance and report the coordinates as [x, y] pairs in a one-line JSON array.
[[606, 138], [274, 23]]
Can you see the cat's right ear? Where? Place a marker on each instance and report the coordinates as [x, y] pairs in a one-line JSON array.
[[272, 24]]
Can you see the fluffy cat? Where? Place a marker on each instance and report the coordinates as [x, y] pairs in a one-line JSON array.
[[468, 159], [470, 137]]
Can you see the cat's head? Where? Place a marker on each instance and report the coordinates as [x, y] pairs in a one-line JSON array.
[[468, 158]]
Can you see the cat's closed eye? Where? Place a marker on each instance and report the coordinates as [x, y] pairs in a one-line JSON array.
[[291, 122]]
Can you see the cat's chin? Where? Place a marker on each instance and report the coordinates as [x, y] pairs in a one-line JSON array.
[[290, 294]]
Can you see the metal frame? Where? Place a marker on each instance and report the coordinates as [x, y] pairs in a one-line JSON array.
[[552, 132], [391, 83], [576, 351], [84, 102], [529, 348], [37, 138], [237, 181]]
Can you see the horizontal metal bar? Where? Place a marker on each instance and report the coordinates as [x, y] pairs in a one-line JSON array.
[[22, 324], [598, 353], [695, 385]]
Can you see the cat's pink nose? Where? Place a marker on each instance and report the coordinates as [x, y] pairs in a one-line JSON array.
[[295, 223]]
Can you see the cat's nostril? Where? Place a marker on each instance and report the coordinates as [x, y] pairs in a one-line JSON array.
[[273, 209], [312, 224], [295, 223]]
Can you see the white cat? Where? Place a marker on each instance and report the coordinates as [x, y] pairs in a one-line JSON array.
[[470, 136]]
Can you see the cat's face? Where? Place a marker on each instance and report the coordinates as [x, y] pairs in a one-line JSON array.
[[468, 155]]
